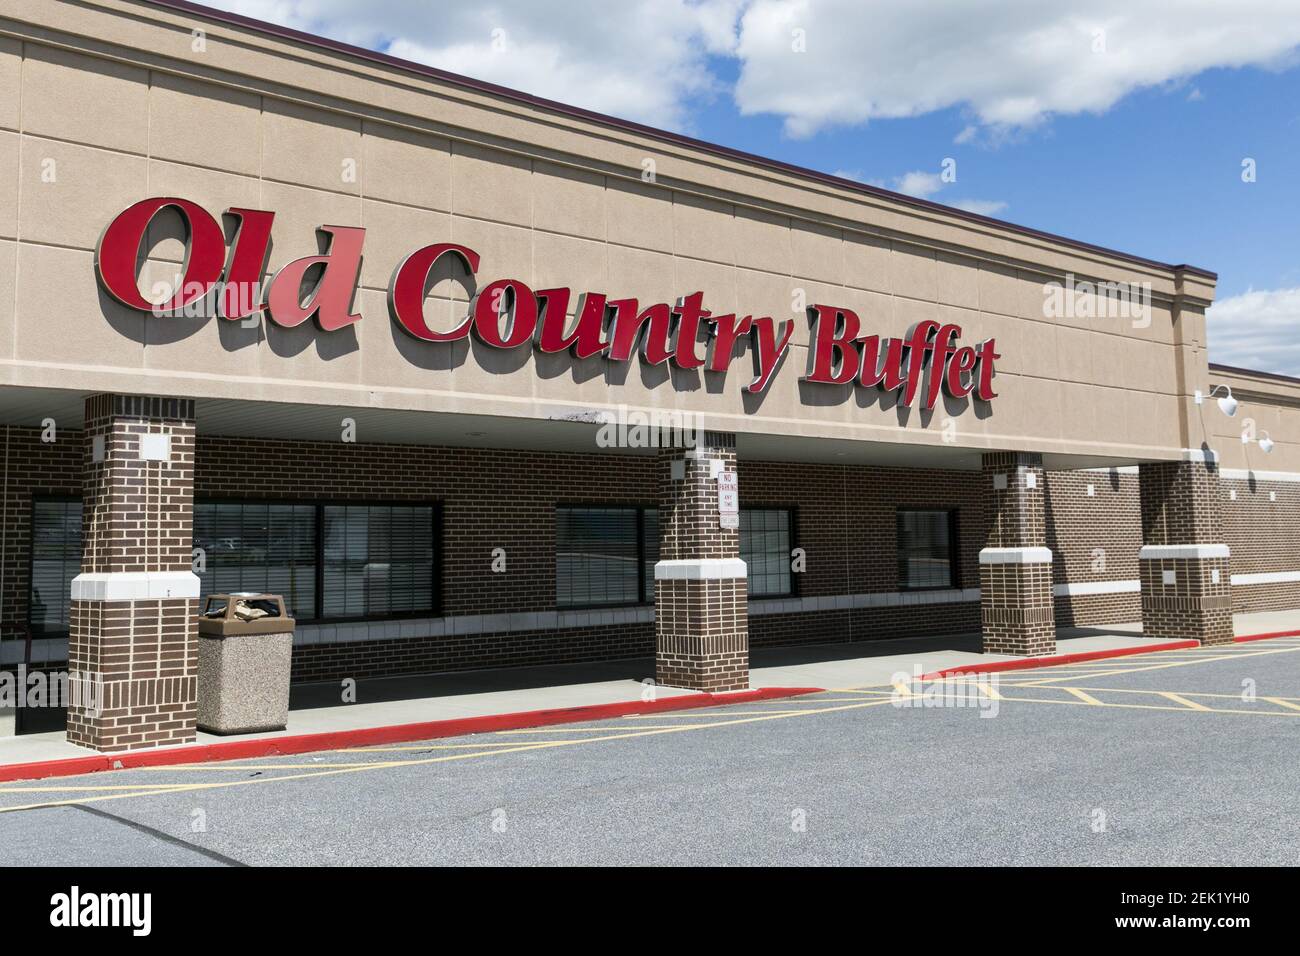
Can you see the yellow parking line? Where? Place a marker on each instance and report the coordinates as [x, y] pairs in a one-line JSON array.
[[1128, 660], [583, 730], [1177, 699], [1006, 681], [134, 787], [1163, 666], [446, 758], [722, 714], [1182, 710], [378, 750], [1085, 697], [1082, 694], [854, 690], [1185, 693], [218, 765]]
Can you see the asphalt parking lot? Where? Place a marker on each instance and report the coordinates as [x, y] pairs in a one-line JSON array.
[[1178, 758]]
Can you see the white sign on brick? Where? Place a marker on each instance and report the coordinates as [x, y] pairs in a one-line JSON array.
[[728, 500]]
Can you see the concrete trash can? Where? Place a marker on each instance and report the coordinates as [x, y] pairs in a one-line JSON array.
[[245, 648]]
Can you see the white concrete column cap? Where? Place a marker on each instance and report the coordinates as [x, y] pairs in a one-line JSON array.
[[1207, 455], [700, 569], [134, 585], [1016, 556], [1156, 552]]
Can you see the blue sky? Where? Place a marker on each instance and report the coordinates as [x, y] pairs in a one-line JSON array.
[[1158, 175], [1123, 123]]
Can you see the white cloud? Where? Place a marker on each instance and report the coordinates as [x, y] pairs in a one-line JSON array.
[[642, 60], [923, 185], [1258, 330], [1005, 65], [981, 207], [919, 183], [1009, 64]]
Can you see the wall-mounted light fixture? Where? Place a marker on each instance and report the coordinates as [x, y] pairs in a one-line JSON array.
[[1227, 404]]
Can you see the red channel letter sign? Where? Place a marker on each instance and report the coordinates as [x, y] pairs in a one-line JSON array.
[[226, 280]]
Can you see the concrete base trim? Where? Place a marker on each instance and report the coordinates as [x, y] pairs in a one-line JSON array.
[[135, 585], [759, 606], [1266, 577], [1163, 552], [1016, 556], [701, 569], [1097, 587]]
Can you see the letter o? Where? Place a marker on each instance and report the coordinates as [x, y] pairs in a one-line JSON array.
[[119, 247], [487, 321]]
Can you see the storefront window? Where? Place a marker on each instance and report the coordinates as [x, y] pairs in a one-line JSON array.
[[650, 537], [765, 548], [56, 560], [373, 560], [601, 556], [926, 549], [378, 560], [258, 546]]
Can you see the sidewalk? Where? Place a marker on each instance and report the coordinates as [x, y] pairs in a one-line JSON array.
[[617, 685]]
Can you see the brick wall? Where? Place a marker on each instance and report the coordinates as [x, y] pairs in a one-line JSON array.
[[1179, 503], [490, 499], [136, 513], [1094, 539], [511, 649], [1261, 527], [688, 508], [1015, 514], [31, 467], [844, 516], [863, 624]]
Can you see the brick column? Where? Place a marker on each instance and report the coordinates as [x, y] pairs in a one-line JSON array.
[[1183, 564], [132, 646], [701, 616], [1016, 606]]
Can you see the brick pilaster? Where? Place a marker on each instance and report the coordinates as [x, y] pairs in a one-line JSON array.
[[132, 645], [1016, 607], [1184, 565], [701, 617]]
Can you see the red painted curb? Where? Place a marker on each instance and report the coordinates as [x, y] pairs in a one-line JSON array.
[[371, 736], [1057, 659], [1264, 637]]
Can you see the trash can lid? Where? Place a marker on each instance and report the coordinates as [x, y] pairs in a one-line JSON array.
[[244, 606]]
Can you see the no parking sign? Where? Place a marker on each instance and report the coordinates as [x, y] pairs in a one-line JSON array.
[[728, 500]]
